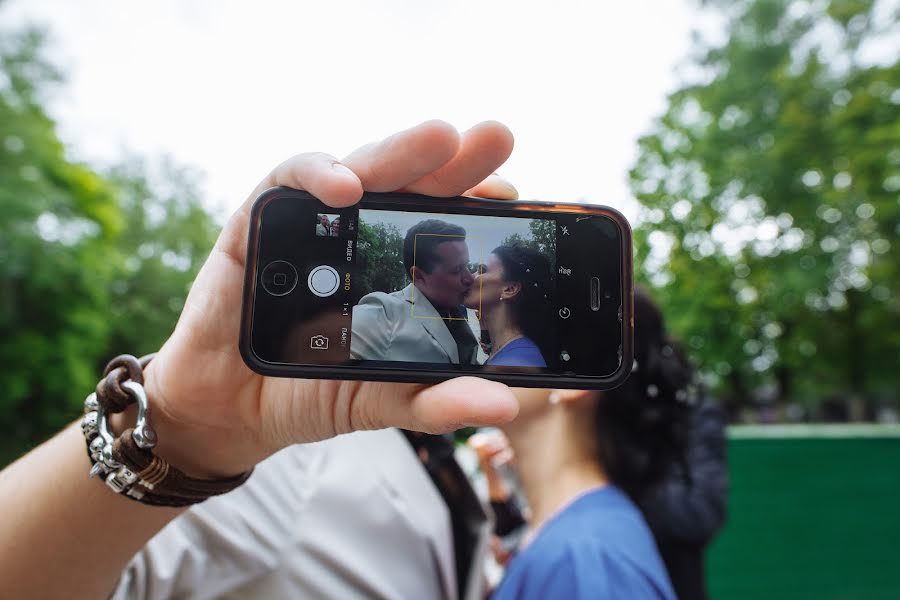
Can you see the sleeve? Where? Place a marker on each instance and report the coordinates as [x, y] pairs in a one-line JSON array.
[[693, 509], [577, 572], [534, 577], [582, 571], [226, 542], [371, 329]]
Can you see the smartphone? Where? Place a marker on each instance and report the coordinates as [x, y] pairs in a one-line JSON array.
[[409, 288]]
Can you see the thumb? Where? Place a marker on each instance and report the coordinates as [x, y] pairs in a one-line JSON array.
[[447, 406]]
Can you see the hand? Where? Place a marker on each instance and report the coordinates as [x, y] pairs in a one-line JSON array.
[[493, 451], [216, 417]]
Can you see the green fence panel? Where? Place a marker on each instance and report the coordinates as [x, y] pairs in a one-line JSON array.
[[814, 512]]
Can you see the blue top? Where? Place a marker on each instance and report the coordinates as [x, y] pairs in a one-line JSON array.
[[598, 547], [521, 352]]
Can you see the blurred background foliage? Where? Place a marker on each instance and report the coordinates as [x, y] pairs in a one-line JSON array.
[[92, 263], [771, 210], [770, 195]]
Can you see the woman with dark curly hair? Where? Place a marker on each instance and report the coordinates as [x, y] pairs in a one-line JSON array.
[[585, 459], [512, 295]]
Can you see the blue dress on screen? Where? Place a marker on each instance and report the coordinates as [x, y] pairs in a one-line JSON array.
[[521, 352], [598, 547]]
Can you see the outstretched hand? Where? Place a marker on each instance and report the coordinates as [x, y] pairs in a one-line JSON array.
[[216, 417]]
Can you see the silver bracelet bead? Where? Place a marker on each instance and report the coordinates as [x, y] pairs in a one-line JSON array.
[[89, 425], [91, 404], [121, 479]]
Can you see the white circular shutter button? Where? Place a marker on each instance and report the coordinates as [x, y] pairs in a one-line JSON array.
[[323, 281]]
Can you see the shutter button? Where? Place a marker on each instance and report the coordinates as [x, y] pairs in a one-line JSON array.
[[323, 281]]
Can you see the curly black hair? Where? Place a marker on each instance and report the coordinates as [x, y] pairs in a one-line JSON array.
[[642, 424], [533, 304]]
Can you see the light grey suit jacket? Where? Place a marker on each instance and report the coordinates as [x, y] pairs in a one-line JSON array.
[[404, 326], [354, 517]]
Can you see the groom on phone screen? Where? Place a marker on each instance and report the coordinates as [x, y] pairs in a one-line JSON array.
[[425, 321]]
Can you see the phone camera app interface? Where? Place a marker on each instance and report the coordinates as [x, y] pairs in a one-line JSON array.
[[392, 289], [328, 225], [453, 289]]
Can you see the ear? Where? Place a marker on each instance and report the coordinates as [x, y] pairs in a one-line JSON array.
[[511, 291], [568, 396], [417, 274]]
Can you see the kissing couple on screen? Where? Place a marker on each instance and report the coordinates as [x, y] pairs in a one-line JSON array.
[[450, 315]]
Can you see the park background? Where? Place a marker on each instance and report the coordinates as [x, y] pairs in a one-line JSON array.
[[754, 145]]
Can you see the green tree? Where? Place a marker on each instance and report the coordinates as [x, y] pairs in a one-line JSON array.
[[379, 259], [168, 234], [769, 195], [91, 264], [59, 223], [542, 238], [543, 232]]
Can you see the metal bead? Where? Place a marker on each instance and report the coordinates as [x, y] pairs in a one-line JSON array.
[[107, 457], [121, 479], [652, 391], [144, 436], [96, 448], [91, 403], [98, 469], [89, 424], [135, 493]]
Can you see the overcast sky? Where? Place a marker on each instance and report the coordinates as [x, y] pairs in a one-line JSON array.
[[233, 88]]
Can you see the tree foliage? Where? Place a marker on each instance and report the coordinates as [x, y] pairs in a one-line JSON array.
[[770, 204], [379, 259], [542, 238], [91, 264]]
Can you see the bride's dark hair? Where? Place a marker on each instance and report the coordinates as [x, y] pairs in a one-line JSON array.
[[533, 305], [641, 425]]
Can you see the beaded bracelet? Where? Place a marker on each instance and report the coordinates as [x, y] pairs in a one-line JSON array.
[[127, 463]]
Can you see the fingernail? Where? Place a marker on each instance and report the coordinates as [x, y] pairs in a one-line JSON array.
[[509, 185], [554, 398], [339, 168]]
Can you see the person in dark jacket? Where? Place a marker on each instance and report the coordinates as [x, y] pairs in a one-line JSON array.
[[682, 499], [687, 509]]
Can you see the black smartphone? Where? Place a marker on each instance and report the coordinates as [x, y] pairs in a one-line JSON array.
[[409, 288]]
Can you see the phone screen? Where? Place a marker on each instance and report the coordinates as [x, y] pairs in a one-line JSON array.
[[470, 286]]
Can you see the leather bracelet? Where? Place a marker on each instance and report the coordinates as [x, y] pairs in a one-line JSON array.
[[126, 463]]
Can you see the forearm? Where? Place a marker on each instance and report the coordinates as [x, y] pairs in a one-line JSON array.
[[64, 535]]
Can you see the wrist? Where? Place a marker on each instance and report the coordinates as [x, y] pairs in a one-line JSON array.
[[196, 448], [132, 462]]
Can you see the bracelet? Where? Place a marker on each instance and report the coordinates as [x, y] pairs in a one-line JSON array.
[[126, 463]]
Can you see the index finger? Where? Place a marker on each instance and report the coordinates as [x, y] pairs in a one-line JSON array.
[[322, 175]]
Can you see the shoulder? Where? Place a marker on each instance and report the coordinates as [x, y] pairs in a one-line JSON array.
[[599, 547], [522, 352], [381, 301], [580, 569]]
